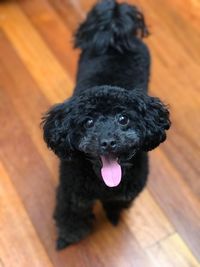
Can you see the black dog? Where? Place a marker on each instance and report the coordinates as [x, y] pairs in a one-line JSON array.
[[102, 133]]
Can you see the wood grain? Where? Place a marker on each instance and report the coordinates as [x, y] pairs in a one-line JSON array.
[[58, 37], [44, 67], [141, 220], [20, 87], [172, 251], [176, 199], [16, 230], [37, 69]]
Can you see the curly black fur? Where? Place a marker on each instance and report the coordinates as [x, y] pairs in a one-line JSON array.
[[112, 83], [111, 25]]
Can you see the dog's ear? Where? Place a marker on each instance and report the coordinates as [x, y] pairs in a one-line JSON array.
[[57, 131], [154, 121]]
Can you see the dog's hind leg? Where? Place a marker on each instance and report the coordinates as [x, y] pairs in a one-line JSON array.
[[113, 209]]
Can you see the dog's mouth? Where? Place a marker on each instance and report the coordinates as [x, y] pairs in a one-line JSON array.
[[111, 165]]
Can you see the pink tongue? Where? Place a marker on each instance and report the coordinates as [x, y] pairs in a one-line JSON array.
[[111, 171]]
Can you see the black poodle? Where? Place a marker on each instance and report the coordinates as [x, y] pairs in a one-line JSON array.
[[103, 132]]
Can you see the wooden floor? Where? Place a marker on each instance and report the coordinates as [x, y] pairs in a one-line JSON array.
[[37, 69]]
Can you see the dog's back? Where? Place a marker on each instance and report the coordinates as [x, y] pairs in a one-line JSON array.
[[113, 52], [111, 25]]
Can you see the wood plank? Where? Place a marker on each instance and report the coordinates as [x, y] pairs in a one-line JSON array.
[[26, 168], [176, 22], [189, 10], [179, 70], [52, 29], [26, 97], [146, 235], [19, 247], [44, 67], [172, 251], [146, 221], [184, 114], [176, 199], [71, 12]]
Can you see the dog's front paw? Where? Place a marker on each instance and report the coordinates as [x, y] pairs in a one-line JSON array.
[[114, 218], [62, 243], [68, 235]]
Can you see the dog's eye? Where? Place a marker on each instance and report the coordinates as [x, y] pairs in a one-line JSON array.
[[89, 123], [123, 119]]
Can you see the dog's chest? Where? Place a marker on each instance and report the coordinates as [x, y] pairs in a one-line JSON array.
[[95, 188]]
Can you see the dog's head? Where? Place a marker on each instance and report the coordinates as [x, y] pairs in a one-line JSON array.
[[106, 123]]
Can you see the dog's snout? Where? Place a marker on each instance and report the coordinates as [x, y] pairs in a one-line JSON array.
[[108, 144]]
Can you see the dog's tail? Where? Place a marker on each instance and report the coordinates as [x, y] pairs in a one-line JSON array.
[[111, 25]]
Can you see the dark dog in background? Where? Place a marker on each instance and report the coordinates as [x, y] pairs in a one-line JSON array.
[[103, 132]]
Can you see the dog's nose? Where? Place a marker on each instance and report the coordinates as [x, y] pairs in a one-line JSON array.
[[108, 144]]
